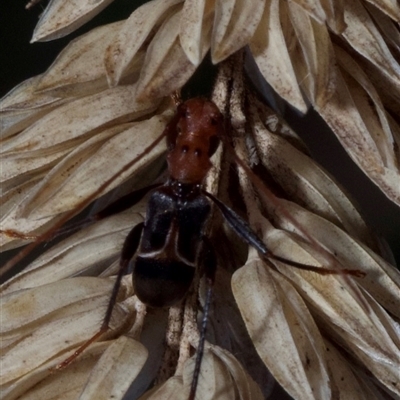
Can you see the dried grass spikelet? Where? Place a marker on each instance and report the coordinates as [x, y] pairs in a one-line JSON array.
[[42, 332], [292, 45], [292, 316], [299, 311], [66, 132], [48, 170]]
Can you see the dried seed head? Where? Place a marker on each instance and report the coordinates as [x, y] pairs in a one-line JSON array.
[[100, 104]]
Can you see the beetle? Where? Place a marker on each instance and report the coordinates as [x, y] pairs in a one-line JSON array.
[[171, 243]]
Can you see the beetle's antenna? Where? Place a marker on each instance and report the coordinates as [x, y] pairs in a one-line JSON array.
[[49, 234]]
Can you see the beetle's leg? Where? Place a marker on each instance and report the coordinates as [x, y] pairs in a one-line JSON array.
[[244, 231], [122, 204], [129, 249], [117, 206], [209, 263]]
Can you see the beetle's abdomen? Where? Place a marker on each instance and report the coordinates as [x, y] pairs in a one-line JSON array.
[[161, 283]]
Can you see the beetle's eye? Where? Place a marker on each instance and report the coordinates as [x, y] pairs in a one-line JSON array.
[[185, 149], [213, 121], [183, 112], [197, 152]]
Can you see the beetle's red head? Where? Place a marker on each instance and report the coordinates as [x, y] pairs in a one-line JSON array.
[[192, 139]]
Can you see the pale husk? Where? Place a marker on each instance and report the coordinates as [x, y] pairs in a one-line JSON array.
[[73, 134], [289, 42], [60, 18]]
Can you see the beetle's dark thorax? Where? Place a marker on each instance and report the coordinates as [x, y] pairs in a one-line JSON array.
[[171, 241], [175, 214]]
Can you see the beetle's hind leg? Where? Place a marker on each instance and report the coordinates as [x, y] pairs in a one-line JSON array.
[[129, 249], [209, 264]]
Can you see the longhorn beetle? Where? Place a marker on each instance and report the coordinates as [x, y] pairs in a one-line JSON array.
[[171, 244]]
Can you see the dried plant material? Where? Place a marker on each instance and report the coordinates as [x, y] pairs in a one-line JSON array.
[[352, 253], [194, 29], [334, 11], [321, 232], [344, 379], [88, 166], [361, 331], [60, 332], [42, 384], [346, 119], [15, 195], [378, 127], [23, 106], [270, 305], [246, 387], [291, 46], [59, 191], [214, 381], [166, 67], [313, 7], [80, 117], [315, 241], [86, 249], [222, 377], [235, 24], [24, 97], [60, 18], [19, 168], [117, 368], [365, 38], [384, 349], [303, 179], [76, 298], [386, 25], [272, 57], [55, 158], [170, 390], [79, 69], [386, 86], [28, 305], [352, 326], [317, 51], [388, 7], [123, 49]]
